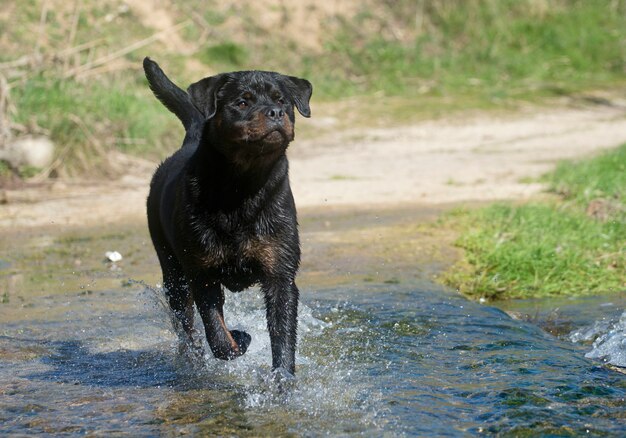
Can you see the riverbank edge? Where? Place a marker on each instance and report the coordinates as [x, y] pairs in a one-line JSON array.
[[569, 241]]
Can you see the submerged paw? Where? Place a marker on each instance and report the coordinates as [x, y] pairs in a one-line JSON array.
[[242, 339], [229, 352]]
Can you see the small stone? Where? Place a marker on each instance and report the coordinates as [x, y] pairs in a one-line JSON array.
[[30, 151], [113, 256]]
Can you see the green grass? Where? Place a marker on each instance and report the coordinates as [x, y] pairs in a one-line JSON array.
[[549, 248], [230, 55], [603, 177], [5, 170], [87, 119], [497, 49], [400, 60]]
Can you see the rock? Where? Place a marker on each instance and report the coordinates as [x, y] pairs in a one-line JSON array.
[[29, 151], [113, 256]]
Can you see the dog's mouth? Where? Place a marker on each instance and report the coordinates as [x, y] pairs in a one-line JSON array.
[[274, 137], [271, 143], [264, 133]]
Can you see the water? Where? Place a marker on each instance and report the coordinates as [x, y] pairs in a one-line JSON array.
[[597, 323], [386, 359], [609, 340]]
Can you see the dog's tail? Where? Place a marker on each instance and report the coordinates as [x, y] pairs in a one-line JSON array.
[[170, 95]]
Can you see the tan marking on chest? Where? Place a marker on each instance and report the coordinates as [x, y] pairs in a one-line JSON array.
[[261, 249], [217, 255]]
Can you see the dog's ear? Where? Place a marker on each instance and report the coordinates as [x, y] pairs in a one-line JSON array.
[[300, 90], [204, 94]]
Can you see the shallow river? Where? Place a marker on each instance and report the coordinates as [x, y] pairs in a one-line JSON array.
[[396, 358], [385, 359]]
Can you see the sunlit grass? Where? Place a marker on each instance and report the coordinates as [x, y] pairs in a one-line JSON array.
[[603, 177], [497, 50], [549, 248], [387, 64], [88, 119]]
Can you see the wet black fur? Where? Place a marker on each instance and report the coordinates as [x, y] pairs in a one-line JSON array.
[[220, 209]]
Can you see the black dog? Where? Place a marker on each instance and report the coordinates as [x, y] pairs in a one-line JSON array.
[[220, 209]]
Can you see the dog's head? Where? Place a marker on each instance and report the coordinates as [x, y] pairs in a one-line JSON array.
[[251, 112]]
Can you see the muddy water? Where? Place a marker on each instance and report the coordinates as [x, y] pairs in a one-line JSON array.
[[382, 351]]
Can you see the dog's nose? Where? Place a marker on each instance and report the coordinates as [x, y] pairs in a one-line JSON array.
[[274, 113]]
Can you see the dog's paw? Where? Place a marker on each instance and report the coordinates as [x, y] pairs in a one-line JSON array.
[[242, 339], [227, 351]]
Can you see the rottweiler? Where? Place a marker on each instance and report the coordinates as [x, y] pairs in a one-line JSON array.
[[220, 210]]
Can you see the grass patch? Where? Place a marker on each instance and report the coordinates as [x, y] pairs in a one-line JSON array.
[[5, 170], [383, 63], [227, 54], [342, 178], [499, 50], [85, 120], [540, 248], [603, 177]]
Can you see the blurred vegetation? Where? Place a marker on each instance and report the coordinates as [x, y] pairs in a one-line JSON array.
[[603, 178], [83, 59], [497, 49], [573, 246]]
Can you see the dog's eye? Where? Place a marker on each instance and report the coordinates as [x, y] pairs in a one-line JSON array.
[[242, 104]]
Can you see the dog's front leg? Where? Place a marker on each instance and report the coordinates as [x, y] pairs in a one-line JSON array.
[[281, 306], [225, 344]]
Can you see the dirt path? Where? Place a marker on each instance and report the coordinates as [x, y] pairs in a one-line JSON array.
[[483, 158], [464, 159]]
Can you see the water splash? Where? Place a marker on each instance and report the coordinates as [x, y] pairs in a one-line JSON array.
[[327, 385], [609, 340], [372, 360]]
